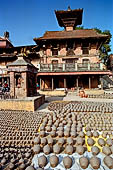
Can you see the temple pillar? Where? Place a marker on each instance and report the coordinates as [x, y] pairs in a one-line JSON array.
[[40, 84], [12, 84], [52, 83], [77, 82], [89, 82], [65, 83]]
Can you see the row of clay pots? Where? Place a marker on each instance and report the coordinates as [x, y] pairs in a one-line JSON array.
[[68, 162]]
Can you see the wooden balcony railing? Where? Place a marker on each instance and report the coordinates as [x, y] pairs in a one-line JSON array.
[[70, 67]]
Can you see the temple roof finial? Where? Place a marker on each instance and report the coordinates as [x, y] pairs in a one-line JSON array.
[[69, 9]]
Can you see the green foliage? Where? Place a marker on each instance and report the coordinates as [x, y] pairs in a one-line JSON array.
[[79, 28], [105, 47]]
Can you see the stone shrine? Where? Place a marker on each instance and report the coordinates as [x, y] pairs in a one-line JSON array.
[[22, 78]]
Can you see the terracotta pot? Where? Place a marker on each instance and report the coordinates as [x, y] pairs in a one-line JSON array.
[[83, 162], [67, 161], [108, 162]]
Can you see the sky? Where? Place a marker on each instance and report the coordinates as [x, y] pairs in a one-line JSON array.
[[27, 19]]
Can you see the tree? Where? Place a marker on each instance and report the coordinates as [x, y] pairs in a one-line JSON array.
[[105, 48]]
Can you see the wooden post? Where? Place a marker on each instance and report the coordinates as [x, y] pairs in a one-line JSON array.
[[8, 81], [52, 83], [89, 82], [76, 67], [40, 84], [77, 82], [65, 83]]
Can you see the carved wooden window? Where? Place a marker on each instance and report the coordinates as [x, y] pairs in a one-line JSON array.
[[54, 51], [85, 48]]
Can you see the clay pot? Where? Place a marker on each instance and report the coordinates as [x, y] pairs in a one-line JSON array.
[[37, 140], [43, 141], [112, 149], [48, 128], [106, 150], [73, 134], [22, 166], [80, 149], [3, 161], [67, 161], [79, 141], [101, 142], [95, 134], [89, 134], [70, 141], [42, 133], [95, 150], [87, 128], [66, 133], [11, 166], [30, 168], [61, 141], [109, 142], [21, 161], [69, 149], [53, 133], [60, 133], [50, 141], [56, 149], [42, 161], [46, 149], [95, 163], [81, 134], [90, 141], [36, 149], [83, 162], [108, 162], [54, 161]]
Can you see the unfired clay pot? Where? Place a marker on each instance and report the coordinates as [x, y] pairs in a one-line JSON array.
[[56, 149], [46, 149], [54, 161], [80, 149], [29, 168], [109, 142], [95, 150], [69, 149], [101, 142], [42, 161], [67, 161], [95, 163], [106, 150], [108, 162], [83, 162]]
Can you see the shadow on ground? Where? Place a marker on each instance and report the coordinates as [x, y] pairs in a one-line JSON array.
[[49, 99]]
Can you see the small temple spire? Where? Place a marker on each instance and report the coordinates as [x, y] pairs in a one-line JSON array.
[[69, 8]]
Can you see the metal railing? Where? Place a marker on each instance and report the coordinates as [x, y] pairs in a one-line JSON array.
[[64, 67]]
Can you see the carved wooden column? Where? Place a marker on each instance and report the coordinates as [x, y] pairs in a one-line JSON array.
[[65, 86], [52, 83], [89, 82]]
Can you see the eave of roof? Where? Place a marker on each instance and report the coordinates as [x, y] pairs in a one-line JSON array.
[[75, 34]]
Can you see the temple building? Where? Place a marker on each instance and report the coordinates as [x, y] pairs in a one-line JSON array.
[[70, 58], [65, 59]]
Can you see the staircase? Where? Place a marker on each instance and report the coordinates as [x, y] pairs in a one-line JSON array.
[[107, 82]]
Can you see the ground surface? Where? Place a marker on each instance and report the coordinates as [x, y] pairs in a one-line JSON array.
[[18, 129]]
